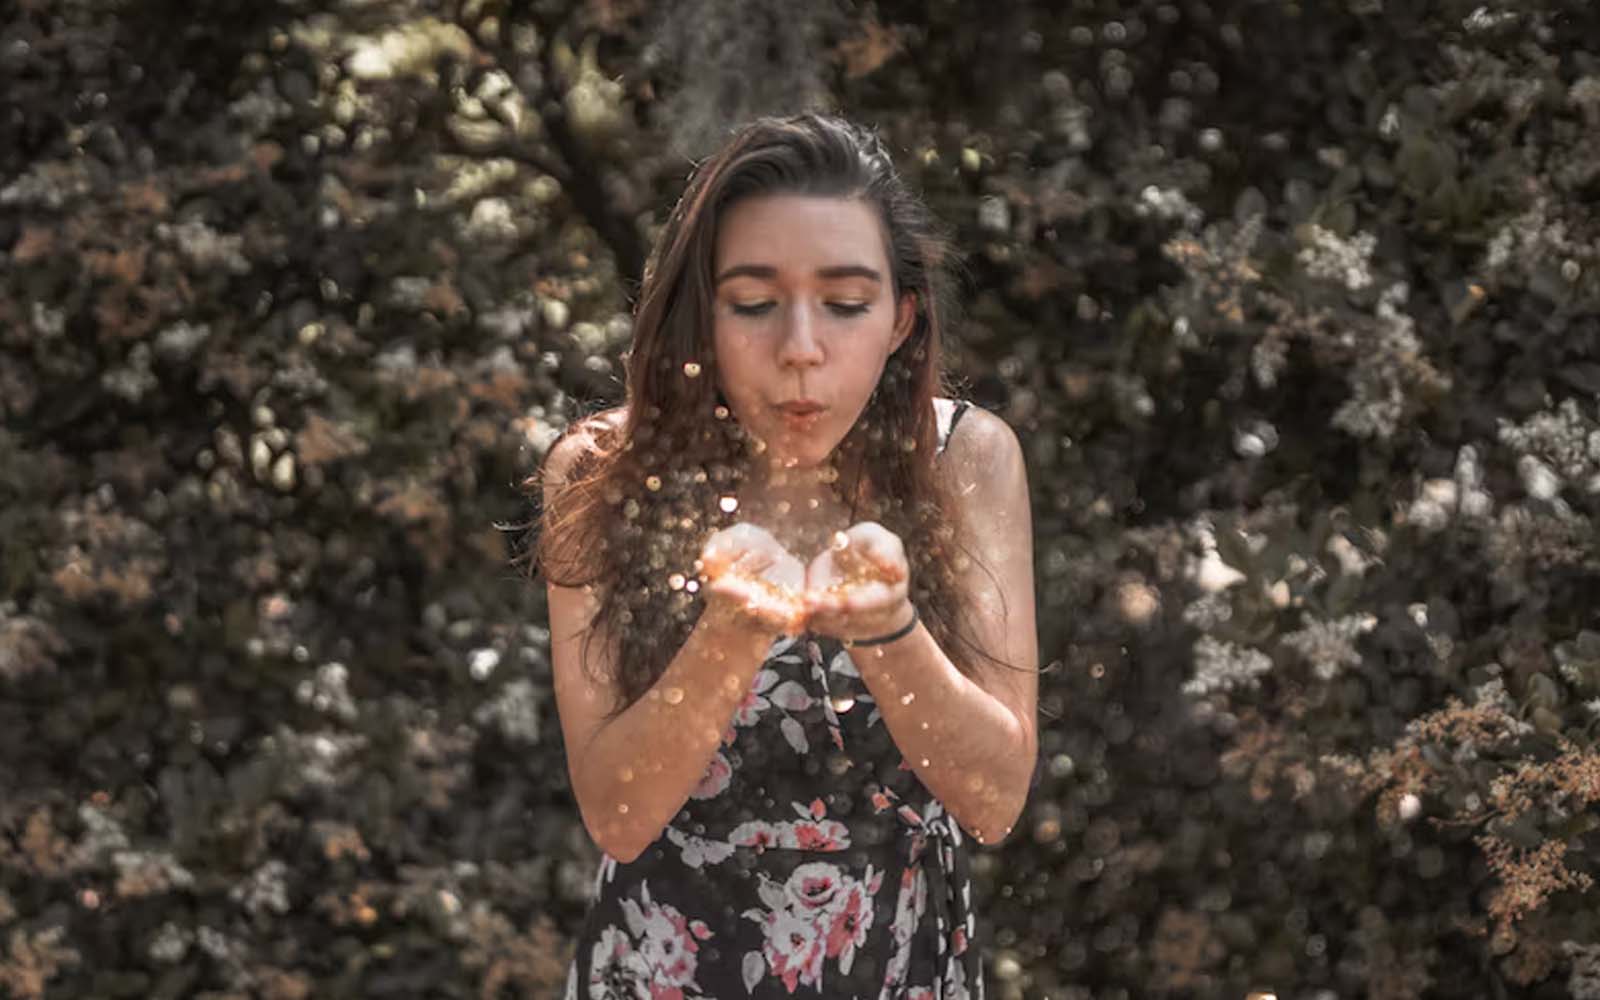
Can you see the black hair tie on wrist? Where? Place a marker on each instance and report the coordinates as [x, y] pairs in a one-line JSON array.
[[892, 636]]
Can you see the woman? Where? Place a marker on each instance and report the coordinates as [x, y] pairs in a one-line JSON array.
[[791, 599]]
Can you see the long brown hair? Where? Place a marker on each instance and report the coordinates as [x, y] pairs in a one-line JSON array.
[[636, 507]]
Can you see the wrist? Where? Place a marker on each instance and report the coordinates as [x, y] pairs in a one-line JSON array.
[[729, 620], [907, 618]]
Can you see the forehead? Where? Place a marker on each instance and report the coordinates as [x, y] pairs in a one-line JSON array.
[[801, 232]]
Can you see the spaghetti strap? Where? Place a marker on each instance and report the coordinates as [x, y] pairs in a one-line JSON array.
[[955, 418]]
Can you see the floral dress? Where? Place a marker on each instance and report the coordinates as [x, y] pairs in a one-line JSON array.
[[810, 861]]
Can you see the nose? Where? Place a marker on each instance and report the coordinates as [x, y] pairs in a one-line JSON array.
[[800, 346]]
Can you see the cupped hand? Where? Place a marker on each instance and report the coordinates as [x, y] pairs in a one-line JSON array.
[[749, 573], [858, 587]]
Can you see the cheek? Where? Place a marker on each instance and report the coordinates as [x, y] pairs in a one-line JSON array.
[[734, 369]]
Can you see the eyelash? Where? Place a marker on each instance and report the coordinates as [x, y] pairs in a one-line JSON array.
[[844, 309]]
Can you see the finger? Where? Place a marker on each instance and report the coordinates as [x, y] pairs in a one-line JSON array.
[[829, 620], [745, 589], [779, 613], [823, 602], [752, 562], [870, 597], [879, 557], [789, 571], [854, 559], [890, 569], [822, 572], [721, 562], [878, 543], [718, 553]]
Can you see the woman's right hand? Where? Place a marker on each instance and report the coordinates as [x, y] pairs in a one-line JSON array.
[[747, 573]]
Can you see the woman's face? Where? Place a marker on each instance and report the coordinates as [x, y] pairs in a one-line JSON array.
[[804, 313]]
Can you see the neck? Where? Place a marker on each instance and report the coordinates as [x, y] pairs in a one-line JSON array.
[[796, 486], [802, 505]]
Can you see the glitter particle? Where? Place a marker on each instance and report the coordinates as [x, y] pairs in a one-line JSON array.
[[691, 369], [673, 695], [652, 483], [676, 581], [721, 413], [908, 697], [728, 504]]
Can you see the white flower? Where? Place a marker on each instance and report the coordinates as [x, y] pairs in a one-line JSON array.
[[816, 889], [1565, 443], [1212, 575], [697, 852], [1223, 666], [793, 949], [616, 970], [1335, 259], [1329, 646]]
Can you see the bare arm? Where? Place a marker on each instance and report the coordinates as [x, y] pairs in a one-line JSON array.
[[631, 774], [969, 747], [974, 742]]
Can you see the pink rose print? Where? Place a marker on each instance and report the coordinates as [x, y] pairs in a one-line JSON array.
[[819, 913], [815, 888], [718, 773], [828, 835], [851, 921], [812, 832], [755, 833], [668, 944], [755, 701], [793, 949], [616, 971]]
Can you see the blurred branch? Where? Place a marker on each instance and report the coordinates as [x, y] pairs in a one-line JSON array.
[[585, 169], [512, 150]]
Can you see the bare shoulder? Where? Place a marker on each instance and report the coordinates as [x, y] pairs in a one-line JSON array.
[[983, 453]]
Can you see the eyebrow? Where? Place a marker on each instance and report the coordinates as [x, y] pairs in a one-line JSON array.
[[768, 272]]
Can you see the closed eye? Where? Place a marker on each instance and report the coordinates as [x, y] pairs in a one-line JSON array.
[[762, 308]]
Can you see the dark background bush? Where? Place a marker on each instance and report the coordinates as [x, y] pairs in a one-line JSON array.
[[1296, 307]]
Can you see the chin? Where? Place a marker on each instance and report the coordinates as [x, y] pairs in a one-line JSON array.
[[801, 454], [791, 460]]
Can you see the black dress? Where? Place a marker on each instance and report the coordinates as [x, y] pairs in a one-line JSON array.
[[810, 861]]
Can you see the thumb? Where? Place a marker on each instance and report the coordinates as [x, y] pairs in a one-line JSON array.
[[753, 561]]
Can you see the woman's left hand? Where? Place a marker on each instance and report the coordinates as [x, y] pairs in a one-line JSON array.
[[857, 587]]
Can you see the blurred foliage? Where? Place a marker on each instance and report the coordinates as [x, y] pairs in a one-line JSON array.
[[1297, 308]]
